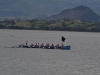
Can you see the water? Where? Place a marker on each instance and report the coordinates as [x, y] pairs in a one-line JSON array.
[[82, 59]]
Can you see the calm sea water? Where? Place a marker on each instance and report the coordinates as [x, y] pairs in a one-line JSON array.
[[82, 59]]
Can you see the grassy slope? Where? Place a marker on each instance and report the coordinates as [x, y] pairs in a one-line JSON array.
[[23, 24]]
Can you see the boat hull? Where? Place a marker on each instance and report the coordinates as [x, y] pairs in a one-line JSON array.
[[62, 48]]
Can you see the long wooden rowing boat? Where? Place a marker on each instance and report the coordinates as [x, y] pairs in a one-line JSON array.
[[44, 47]]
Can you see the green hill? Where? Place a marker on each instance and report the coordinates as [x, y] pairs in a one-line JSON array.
[[82, 13]]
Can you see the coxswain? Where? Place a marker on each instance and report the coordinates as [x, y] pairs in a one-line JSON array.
[[62, 46]]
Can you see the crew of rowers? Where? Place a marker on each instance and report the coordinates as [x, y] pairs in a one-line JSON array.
[[46, 46]]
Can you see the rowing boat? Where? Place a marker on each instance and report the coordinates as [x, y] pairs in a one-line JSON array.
[[45, 47]]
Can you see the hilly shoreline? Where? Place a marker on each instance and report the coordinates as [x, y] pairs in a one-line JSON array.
[[59, 25]]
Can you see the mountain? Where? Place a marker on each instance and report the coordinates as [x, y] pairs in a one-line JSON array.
[[83, 13], [42, 8]]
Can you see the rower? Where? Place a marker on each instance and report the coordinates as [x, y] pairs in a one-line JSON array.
[[38, 45], [52, 46], [32, 45], [57, 46], [42, 45], [47, 45]]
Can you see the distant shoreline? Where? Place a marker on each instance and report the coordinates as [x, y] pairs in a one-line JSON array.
[[52, 25], [49, 30]]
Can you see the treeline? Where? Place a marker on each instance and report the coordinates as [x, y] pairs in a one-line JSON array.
[[61, 25]]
